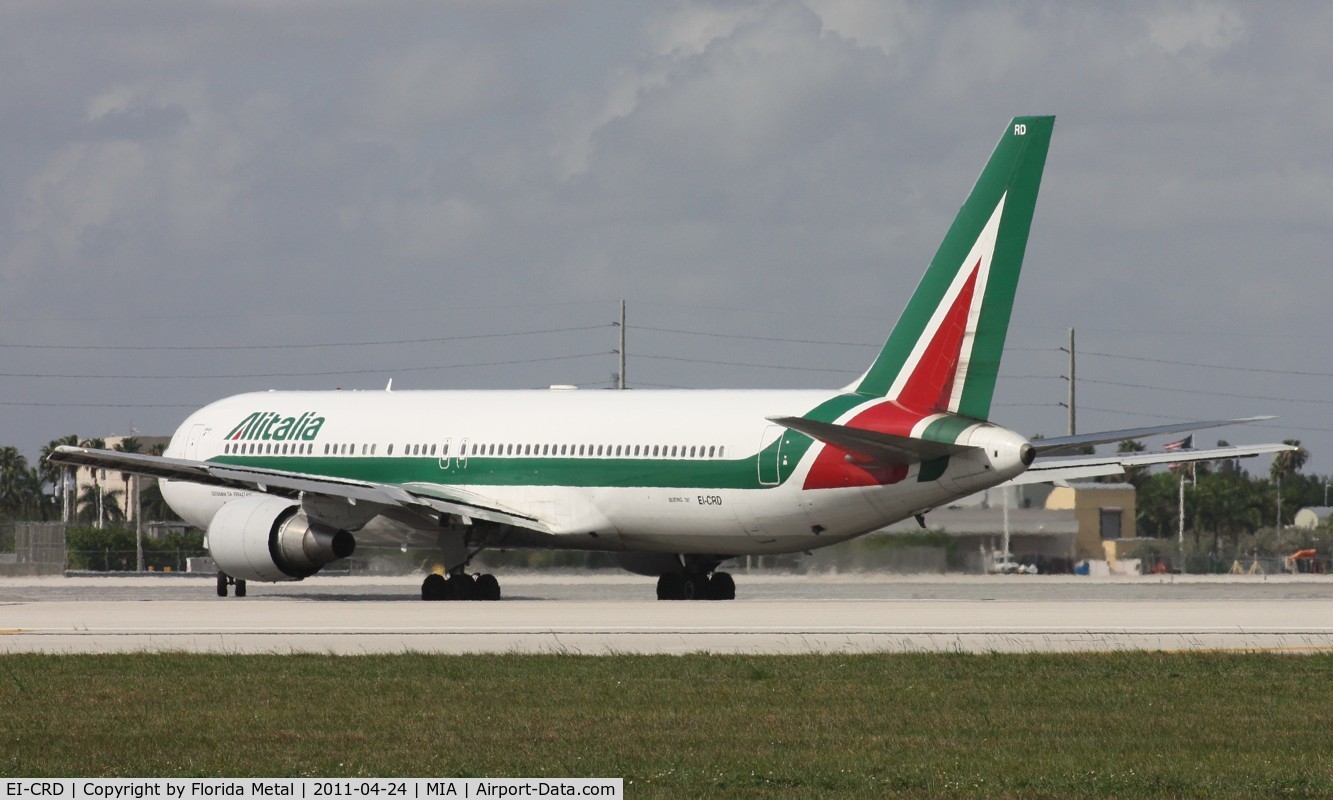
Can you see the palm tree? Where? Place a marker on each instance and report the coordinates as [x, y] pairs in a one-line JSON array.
[[132, 445], [1286, 463], [60, 476], [96, 444], [95, 505], [1133, 475], [14, 482]]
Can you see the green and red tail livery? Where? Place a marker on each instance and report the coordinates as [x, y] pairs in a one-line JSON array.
[[944, 353]]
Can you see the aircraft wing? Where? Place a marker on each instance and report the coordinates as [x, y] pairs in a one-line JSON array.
[[1048, 469], [1062, 444], [883, 448], [430, 498]]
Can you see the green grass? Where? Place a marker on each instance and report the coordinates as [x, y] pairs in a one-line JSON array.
[[928, 725]]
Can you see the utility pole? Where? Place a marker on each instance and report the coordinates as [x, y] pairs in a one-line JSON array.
[[1073, 427], [620, 376]]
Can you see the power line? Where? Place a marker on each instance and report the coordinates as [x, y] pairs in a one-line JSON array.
[[102, 405], [383, 371], [746, 364], [1207, 392], [1227, 367], [433, 340], [753, 338]]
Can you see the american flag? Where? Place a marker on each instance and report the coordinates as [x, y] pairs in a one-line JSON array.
[[1182, 444]]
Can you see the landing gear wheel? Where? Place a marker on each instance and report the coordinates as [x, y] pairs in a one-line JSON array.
[[695, 587], [433, 587], [669, 587], [222, 584], [487, 588], [460, 587], [240, 588], [722, 586]]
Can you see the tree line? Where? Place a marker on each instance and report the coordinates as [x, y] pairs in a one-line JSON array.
[[1224, 503], [46, 491]]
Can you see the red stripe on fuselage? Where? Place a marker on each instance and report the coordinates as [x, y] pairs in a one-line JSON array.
[[833, 469], [929, 387]]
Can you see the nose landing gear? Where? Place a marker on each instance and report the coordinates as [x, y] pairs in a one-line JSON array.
[[225, 580]]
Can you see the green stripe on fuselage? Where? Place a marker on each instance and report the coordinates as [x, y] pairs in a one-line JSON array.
[[675, 473]]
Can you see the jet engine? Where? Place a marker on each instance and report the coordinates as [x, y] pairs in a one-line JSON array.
[[266, 538]]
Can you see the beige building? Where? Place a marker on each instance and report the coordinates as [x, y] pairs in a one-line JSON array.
[[113, 482], [1050, 526], [1104, 511]]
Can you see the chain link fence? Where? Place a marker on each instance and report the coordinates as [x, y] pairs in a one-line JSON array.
[[32, 548]]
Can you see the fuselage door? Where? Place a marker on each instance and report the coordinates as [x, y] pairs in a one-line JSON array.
[[445, 455], [192, 441], [770, 454]]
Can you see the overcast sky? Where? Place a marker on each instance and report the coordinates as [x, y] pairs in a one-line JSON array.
[[253, 182]]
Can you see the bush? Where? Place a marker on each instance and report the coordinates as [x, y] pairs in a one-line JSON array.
[[112, 549]]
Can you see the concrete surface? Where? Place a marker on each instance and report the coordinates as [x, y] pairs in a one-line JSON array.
[[595, 614]]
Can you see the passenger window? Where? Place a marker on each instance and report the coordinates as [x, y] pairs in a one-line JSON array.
[[691, 452], [599, 449], [721, 451]]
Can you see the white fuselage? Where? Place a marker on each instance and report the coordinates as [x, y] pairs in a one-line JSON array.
[[664, 471]]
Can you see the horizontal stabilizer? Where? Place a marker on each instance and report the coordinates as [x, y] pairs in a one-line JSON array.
[[1066, 444], [1060, 470], [882, 448]]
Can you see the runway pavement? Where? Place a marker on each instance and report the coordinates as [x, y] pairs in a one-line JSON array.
[[597, 614]]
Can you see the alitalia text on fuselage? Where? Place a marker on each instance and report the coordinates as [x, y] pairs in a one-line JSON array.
[[268, 426]]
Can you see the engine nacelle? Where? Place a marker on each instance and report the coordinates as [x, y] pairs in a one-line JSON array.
[[266, 538]]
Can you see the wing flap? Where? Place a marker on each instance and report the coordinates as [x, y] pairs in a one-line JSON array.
[[420, 497]]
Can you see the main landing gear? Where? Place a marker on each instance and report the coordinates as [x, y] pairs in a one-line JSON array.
[[696, 586], [460, 586], [225, 580]]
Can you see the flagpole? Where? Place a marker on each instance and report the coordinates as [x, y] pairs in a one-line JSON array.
[[1184, 444], [1180, 529]]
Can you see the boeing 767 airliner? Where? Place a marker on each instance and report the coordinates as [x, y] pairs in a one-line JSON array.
[[674, 482]]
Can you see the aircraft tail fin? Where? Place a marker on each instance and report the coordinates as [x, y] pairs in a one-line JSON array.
[[944, 353]]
